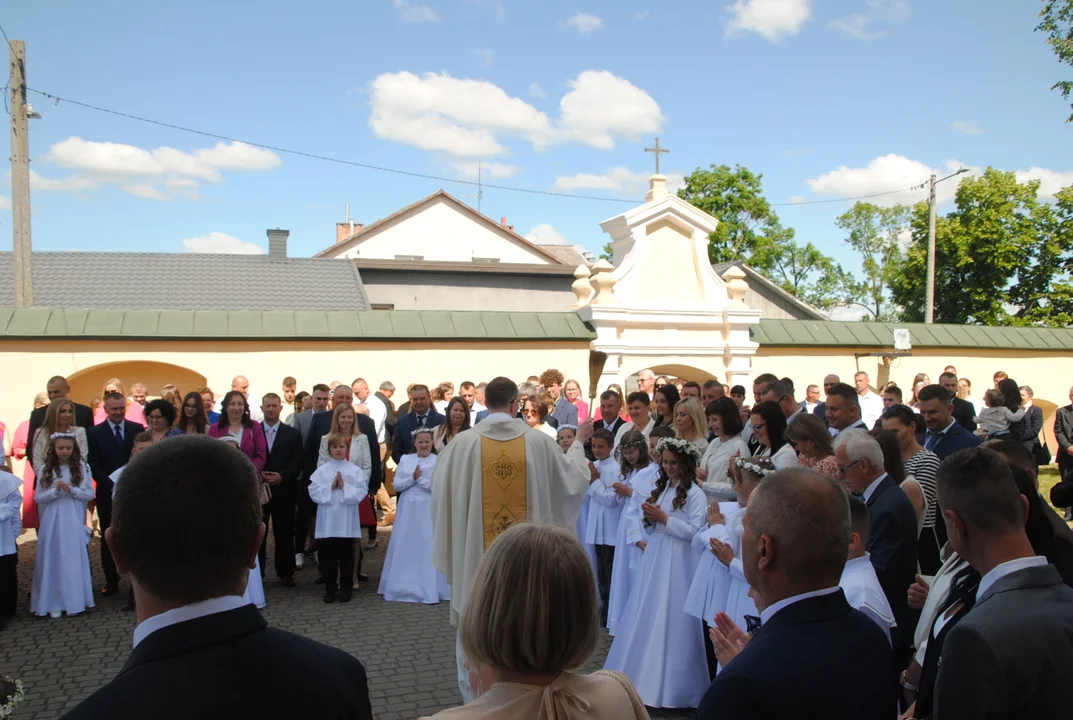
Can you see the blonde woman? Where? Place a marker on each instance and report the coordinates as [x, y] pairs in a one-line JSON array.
[[572, 390], [689, 423], [345, 422], [531, 621], [171, 394], [135, 413], [60, 417]]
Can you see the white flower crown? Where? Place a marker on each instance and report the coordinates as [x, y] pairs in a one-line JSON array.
[[753, 467], [567, 426], [423, 429], [679, 445], [63, 436]]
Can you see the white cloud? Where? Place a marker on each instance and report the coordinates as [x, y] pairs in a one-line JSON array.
[[5, 202], [618, 179], [467, 170], [158, 174], [640, 15], [1050, 181], [585, 23], [774, 19], [859, 25], [545, 234], [484, 56], [495, 6], [882, 175], [466, 118], [415, 13], [536, 91], [849, 313], [966, 127], [221, 243]]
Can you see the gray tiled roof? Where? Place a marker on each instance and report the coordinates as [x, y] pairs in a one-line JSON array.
[[754, 276], [187, 281]]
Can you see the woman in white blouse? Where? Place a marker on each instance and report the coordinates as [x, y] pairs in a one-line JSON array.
[[724, 420], [60, 417], [769, 428]]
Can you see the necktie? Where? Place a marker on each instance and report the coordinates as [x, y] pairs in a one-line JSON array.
[[270, 436], [118, 435], [421, 420], [931, 440]]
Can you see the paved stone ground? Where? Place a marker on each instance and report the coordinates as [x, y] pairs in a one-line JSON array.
[[408, 650]]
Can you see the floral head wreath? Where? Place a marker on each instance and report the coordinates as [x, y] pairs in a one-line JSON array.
[[679, 446], [568, 426], [230, 439], [641, 445], [63, 436], [418, 431], [761, 467]]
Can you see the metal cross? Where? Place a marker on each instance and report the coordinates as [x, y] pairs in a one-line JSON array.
[[658, 151]]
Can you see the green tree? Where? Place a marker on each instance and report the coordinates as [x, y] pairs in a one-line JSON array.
[[750, 230], [981, 248], [1057, 22], [1043, 292], [874, 232]]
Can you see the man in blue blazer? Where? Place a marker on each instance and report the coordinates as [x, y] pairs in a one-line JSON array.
[[944, 436], [814, 656], [110, 444], [421, 414], [564, 412]]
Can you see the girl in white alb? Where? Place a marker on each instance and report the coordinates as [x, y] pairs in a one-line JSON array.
[[660, 648], [408, 574], [62, 580], [640, 475]]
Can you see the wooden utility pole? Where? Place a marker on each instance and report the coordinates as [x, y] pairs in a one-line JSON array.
[[20, 176], [929, 288]]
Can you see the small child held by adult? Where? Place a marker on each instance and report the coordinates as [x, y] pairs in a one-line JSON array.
[[62, 579], [605, 507], [10, 528], [338, 487], [141, 441], [994, 420], [408, 574]]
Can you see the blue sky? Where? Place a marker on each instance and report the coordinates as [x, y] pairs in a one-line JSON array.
[[826, 98]]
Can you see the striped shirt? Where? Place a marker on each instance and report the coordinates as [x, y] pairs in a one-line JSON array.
[[922, 467]]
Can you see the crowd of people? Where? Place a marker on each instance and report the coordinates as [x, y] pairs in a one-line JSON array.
[[738, 552]]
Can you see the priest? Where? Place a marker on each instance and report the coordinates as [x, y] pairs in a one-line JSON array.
[[489, 478]]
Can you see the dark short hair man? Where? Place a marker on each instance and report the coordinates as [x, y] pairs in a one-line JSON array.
[[944, 436], [187, 528]]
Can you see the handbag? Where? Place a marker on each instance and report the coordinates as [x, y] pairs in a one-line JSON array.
[[266, 493], [1041, 453]]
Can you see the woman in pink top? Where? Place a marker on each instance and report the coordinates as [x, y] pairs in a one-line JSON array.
[[22, 449], [532, 618], [572, 390], [235, 421], [135, 412]]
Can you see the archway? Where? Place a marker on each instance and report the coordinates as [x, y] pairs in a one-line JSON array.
[[87, 384], [672, 371]]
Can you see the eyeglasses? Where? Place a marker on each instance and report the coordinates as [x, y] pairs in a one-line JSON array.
[[757, 428], [844, 468], [154, 417]]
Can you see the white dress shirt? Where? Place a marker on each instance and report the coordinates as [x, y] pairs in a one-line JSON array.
[[769, 612], [1011, 566], [186, 612], [270, 434], [378, 412], [871, 408]]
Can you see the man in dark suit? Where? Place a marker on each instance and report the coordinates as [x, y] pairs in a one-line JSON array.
[[610, 407], [809, 634], [305, 508], [1063, 433], [421, 414], [187, 529], [843, 408], [964, 412], [944, 436], [110, 444], [58, 389], [892, 543], [282, 468], [820, 410], [1012, 654]]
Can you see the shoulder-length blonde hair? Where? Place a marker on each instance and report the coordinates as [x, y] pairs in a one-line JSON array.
[[532, 608], [118, 385], [339, 410], [53, 414], [696, 413]]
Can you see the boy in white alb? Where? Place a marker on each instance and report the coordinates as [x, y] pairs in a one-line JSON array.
[[859, 581], [338, 487], [605, 507]]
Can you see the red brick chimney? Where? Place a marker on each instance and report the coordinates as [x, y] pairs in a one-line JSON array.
[[344, 230]]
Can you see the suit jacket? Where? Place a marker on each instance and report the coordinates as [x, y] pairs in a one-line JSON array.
[[253, 443], [230, 665], [83, 419], [564, 412], [404, 428], [820, 411], [285, 458], [301, 422], [390, 420], [965, 414], [788, 670], [321, 425], [481, 415], [892, 547], [1033, 424], [105, 454], [1063, 433], [956, 438], [1011, 656]]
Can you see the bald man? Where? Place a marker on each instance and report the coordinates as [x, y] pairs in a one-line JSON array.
[[240, 383], [820, 410]]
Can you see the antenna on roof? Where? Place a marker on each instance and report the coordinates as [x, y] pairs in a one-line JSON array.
[[348, 220], [480, 187]]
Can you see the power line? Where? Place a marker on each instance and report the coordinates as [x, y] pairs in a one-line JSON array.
[[396, 171]]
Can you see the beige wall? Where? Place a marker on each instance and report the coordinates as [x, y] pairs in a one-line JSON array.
[[28, 365]]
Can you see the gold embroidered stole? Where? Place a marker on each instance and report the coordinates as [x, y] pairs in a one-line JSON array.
[[503, 485]]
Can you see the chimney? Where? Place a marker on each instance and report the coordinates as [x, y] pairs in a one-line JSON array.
[[344, 230], [503, 221], [277, 244]]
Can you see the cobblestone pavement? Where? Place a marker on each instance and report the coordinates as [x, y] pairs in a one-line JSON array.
[[407, 649]]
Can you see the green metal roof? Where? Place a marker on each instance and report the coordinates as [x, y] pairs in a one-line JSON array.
[[63, 323], [810, 333]]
